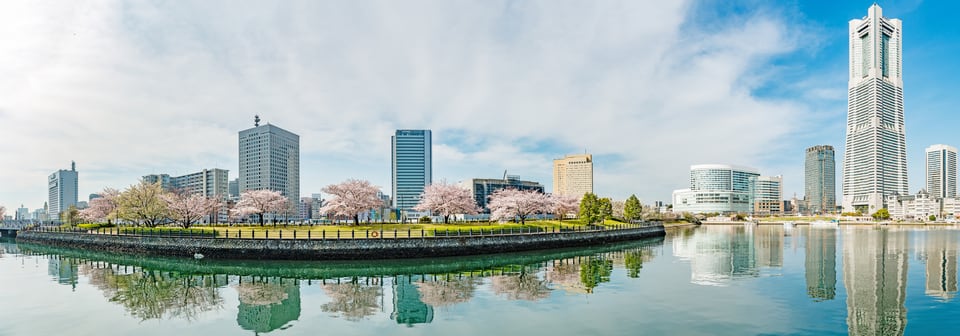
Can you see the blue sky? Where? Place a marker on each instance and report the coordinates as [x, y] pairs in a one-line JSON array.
[[648, 87]]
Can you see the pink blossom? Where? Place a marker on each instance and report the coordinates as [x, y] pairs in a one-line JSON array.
[[260, 202], [447, 199], [350, 198], [509, 204]]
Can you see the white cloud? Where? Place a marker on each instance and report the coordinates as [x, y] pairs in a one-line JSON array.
[[128, 89]]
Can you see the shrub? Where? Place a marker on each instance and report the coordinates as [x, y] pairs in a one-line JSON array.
[[175, 231], [90, 226], [424, 219]]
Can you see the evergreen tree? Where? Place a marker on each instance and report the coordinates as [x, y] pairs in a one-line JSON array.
[[605, 207], [632, 209], [589, 209]]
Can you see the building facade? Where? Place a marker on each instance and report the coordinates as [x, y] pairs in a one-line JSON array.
[[875, 159], [820, 180], [411, 163], [573, 175], [717, 188], [767, 195], [270, 160], [165, 181], [62, 191], [482, 188], [941, 171], [207, 182]]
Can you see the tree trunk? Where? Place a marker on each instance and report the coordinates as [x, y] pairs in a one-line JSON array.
[[356, 220], [261, 218], [445, 219]]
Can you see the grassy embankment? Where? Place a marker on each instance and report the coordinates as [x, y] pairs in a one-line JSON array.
[[364, 230]]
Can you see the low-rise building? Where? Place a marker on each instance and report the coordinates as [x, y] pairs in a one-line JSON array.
[[919, 206], [482, 188]]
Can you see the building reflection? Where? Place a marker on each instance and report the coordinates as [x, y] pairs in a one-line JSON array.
[[820, 263], [407, 307], [63, 270], [718, 254], [940, 254], [267, 304], [269, 294], [875, 276]]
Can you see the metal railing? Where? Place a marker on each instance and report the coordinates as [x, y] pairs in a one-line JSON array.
[[336, 234]]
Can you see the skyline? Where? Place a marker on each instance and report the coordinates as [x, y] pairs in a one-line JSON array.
[[503, 87]]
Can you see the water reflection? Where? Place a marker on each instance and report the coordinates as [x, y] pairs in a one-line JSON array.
[[875, 276], [820, 261], [940, 255], [269, 293], [267, 304]]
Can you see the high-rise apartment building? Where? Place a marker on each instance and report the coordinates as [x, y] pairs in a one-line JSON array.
[[820, 180], [62, 191], [411, 162], [207, 182], [270, 160], [875, 159], [942, 171], [573, 175]]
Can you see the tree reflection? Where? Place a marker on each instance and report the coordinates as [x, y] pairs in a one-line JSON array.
[[155, 295], [523, 286], [594, 271], [352, 300], [448, 291], [268, 306]]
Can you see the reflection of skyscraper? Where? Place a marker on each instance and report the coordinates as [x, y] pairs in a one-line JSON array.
[[265, 307], [768, 242], [63, 270], [941, 264], [875, 275], [821, 264], [407, 307]]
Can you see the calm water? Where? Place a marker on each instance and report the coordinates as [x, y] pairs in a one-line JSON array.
[[712, 280]]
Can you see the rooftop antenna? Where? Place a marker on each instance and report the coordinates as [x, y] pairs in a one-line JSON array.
[[73, 165], [256, 120]]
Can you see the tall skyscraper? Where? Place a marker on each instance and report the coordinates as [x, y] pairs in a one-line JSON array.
[[412, 166], [942, 171], [573, 175], [820, 180], [62, 191], [875, 159], [270, 160]]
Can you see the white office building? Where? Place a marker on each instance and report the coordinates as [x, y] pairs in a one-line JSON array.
[[942, 171], [717, 188], [270, 160], [875, 159], [62, 191]]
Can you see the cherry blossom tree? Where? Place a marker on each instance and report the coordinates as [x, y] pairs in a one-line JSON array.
[[509, 204], [350, 198], [102, 207], [562, 205], [3, 212], [447, 199], [260, 202], [186, 208], [141, 203]]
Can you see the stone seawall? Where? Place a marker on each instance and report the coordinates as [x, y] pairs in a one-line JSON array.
[[344, 249]]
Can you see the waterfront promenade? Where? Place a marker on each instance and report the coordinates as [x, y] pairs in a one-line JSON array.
[[335, 245]]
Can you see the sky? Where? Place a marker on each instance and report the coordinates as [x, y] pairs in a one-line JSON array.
[[649, 88]]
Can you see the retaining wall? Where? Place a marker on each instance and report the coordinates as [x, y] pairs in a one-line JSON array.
[[344, 249]]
